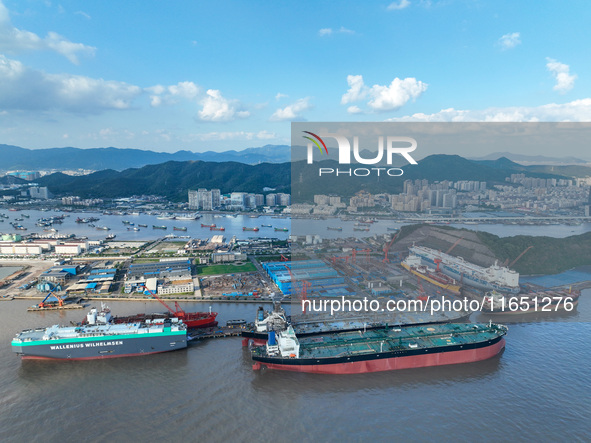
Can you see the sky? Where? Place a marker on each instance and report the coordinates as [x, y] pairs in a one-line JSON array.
[[219, 75]]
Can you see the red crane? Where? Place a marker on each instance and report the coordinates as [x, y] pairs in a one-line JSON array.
[[304, 290], [178, 313], [437, 261], [387, 247], [454, 245], [284, 258], [519, 256], [355, 251], [59, 299], [422, 294]]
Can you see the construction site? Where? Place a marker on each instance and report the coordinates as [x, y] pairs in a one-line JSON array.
[[236, 286]]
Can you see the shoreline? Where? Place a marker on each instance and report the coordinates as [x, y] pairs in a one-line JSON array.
[[143, 299]]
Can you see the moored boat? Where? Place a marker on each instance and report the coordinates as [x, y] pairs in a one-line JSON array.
[[412, 263], [375, 350], [101, 338], [495, 277]]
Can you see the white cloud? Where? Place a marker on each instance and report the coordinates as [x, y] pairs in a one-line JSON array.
[[216, 108], [83, 14], [171, 94], [279, 96], [357, 90], [293, 111], [396, 95], [396, 6], [266, 135], [354, 110], [329, 31], [15, 40], [22, 88], [236, 135], [383, 98], [561, 73], [509, 41], [344, 30], [575, 111]]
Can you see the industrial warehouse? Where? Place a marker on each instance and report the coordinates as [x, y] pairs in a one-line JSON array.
[[314, 275]]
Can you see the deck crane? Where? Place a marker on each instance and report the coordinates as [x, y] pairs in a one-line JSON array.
[[387, 247], [519, 256], [454, 245], [42, 304], [177, 313]]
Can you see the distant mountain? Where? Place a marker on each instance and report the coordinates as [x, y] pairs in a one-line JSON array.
[[532, 159], [174, 179], [501, 163], [14, 157], [11, 180]]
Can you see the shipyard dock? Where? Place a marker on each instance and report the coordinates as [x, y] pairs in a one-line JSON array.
[[218, 332]]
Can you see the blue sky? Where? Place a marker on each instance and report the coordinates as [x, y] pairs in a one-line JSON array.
[[222, 75]]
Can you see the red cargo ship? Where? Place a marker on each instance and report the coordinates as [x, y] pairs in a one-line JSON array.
[[191, 319], [404, 347]]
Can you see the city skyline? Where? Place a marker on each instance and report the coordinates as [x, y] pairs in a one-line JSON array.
[[230, 75]]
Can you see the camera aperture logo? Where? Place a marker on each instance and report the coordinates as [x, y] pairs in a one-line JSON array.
[[393, 146]]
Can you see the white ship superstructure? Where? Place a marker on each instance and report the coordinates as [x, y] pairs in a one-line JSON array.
[[494, 277]]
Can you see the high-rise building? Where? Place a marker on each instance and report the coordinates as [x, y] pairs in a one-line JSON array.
[[39, 193], [204, 199]]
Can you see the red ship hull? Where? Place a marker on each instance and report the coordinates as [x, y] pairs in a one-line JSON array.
[[193, 320], [198, 319], [389, 364]]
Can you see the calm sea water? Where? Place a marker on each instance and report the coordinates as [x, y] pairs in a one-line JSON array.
[[233, 226], [539, 389], [5, 271]]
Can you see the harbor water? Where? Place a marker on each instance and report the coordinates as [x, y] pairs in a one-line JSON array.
[[538, 389], [234, 224]]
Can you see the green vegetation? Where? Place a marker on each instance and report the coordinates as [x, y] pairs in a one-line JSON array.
[[274, 257], [548, 255], [225, 269], [173, 179]]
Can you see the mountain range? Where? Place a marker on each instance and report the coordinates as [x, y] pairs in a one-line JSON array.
[[173, 179], [96, 159], [533, 159], [15, 158]]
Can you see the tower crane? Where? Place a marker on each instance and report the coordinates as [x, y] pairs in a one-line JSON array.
[[387, 247]]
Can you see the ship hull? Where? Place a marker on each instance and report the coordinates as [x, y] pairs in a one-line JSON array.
[[450, 287], [383, 362], [102, 347], [466, 278]]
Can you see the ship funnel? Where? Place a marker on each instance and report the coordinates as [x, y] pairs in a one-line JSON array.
[[91, 317]]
